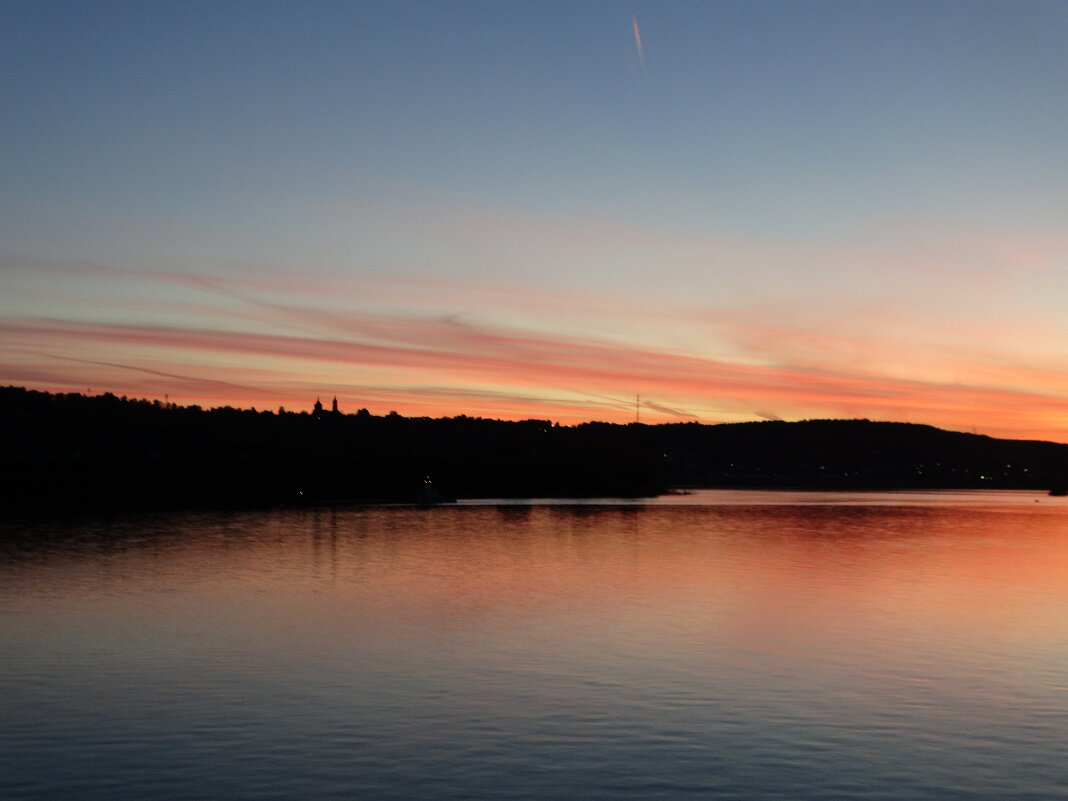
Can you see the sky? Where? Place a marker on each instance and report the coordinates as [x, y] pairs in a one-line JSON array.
[[666, 211]]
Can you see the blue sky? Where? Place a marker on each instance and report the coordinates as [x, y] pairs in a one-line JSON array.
[[867, 193]]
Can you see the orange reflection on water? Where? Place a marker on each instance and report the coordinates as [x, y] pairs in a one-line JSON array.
[[852, 645], [790, 582]]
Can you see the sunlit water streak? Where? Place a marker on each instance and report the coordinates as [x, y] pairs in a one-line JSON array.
[[718, 645]]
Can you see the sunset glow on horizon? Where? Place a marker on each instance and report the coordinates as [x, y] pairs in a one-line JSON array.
[[744, 211]]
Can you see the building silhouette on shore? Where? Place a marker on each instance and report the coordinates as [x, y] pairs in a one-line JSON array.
[[317, 409]]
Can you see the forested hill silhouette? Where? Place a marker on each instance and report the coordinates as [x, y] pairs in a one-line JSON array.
[[78, 450]]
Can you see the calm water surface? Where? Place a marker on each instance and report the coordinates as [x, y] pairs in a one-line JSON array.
[[721, 645]]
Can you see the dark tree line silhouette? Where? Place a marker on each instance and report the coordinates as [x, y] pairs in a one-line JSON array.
[[63, 450]]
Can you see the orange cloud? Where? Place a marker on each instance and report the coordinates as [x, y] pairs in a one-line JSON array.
[[446, 366]]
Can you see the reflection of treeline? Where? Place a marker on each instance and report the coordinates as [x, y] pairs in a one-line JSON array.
[[76, 449]]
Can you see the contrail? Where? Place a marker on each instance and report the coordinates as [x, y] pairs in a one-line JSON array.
[[638, 40]]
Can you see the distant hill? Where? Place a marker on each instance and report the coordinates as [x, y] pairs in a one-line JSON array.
[[855, 454], [72, 450]]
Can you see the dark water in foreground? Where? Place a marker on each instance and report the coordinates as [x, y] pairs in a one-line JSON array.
[[726, 645]]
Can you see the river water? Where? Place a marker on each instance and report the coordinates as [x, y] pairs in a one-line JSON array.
[[748, 645]]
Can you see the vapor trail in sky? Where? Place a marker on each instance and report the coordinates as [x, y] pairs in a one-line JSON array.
[[638, 40]]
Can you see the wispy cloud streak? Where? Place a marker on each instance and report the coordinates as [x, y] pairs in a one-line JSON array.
[[491, 362], [419, 345], [638, 41]]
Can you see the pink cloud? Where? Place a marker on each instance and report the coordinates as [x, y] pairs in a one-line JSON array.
[[516, 372]]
